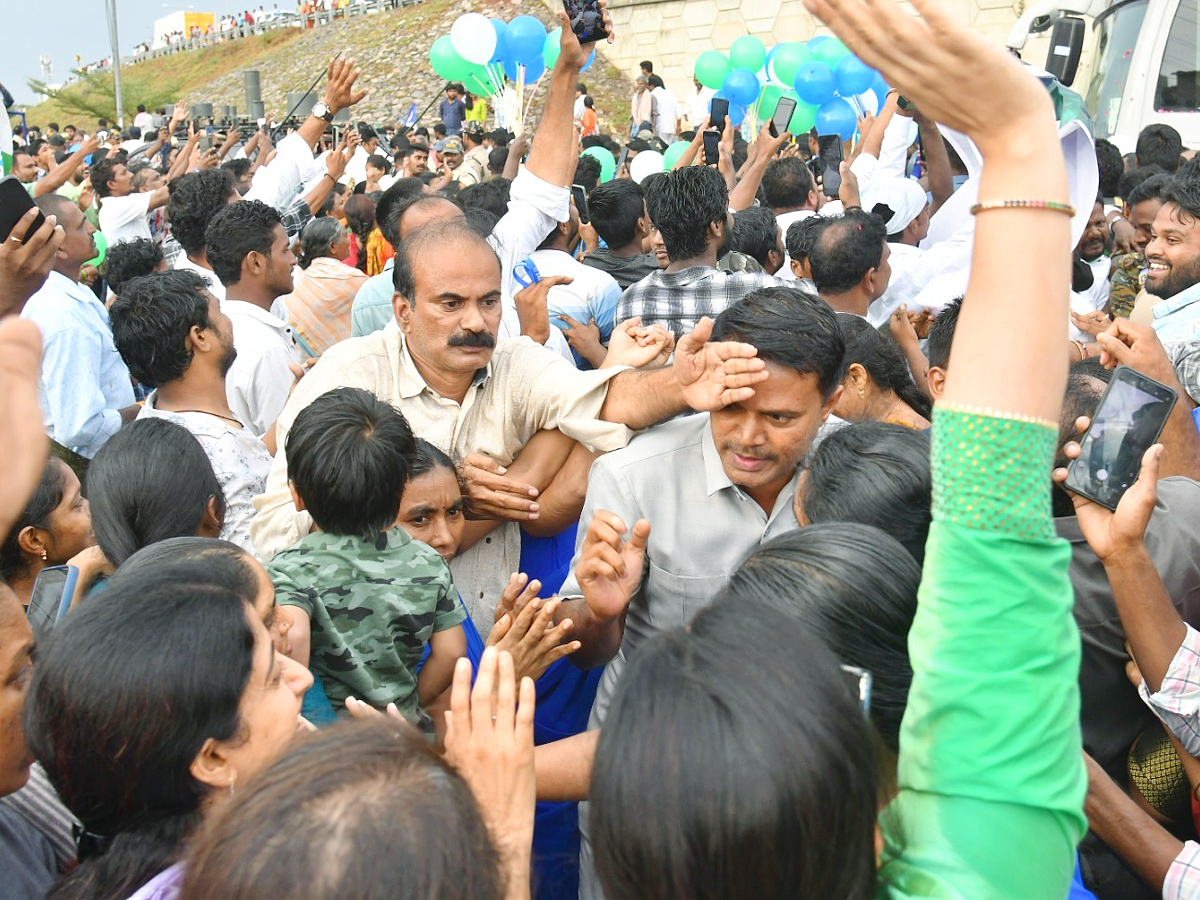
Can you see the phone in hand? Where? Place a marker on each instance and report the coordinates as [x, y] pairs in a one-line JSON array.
[[580, 197], [1127, 423], [717, 112], [50, 599], [783, 115], [712, 147], [587, 21], [15, 201], [204, 144], [830, 150], [621, 160]]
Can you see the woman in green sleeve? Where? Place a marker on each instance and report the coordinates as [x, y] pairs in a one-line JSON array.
[[733, 764]]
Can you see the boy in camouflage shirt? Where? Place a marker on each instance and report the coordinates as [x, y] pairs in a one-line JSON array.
[[365, 597]]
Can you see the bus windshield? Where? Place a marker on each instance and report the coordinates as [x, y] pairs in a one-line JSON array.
[[1176, 89], [1119, 29]]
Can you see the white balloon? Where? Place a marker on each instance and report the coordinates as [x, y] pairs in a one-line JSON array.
[[645, 164], [473, 38]]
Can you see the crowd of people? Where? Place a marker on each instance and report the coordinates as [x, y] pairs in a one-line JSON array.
[[412, 512]]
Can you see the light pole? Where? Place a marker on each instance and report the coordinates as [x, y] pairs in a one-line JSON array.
[[116, 60]]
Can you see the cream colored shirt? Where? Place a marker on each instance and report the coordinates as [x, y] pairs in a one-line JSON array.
[[524, 389]]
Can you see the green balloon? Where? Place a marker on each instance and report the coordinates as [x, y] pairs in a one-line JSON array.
[[748, 53], [101, 249], [768, 100], [831, 52], [552, 48], [478, 81], [608, 162], [787, 61], [673, 153], [446, 60], [712, 68], [804, 118]]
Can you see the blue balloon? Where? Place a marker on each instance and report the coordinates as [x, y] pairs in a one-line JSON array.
[[533, 70], [881, 91], [525, 38], [814, 43], [591, 59], [741, 86], [501, 41], [853, 76], [737, 114], [815, 82], [838, 117]]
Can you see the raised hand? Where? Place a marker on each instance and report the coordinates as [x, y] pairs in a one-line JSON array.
[[715, 375], [610, 568], [24, 266], [525, 628], [339, 88], [491, 495], [23, 450]]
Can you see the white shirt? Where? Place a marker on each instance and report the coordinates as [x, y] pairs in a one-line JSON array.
[[125, 218], [579, 107], [260, 379], [592, 293], [785, 221], [697, 107], [667, 118], [239, 459], [144, 121], [215, 287], [903, 259]]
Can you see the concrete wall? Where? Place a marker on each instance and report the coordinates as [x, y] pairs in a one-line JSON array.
[[672, 33]]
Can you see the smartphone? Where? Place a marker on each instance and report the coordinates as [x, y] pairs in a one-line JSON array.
[[580, 196], [14, 203], [783, 115], [712, 147], [621, 160], [50, 599], [204, 143], [586, 20], [717, 112], [1127, 423], [830, 151]]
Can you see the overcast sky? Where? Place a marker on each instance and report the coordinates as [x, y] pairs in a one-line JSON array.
[[77, 27]]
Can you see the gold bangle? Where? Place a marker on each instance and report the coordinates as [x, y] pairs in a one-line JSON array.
[[1079, 347], [1053, 206]]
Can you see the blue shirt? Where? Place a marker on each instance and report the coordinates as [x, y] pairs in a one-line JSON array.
[[1178, 318], [452, 113], [84, 383], [372, 307]]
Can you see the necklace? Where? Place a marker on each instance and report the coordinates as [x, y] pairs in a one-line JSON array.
[[206, 412]]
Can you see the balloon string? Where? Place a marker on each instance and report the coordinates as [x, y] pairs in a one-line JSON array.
[[532, 94]]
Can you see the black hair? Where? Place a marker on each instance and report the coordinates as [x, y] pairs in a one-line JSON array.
[[655, 82], [378, 161], [388, 208], [126, 692], [581, 87], [102, 173], [853, 588], [647, 65], [735, 762], [432, 235], [141, 107], [238, 168], [1159, 145], [497, 160], [589, 102], [127, 260], [235, 232], [847, 248], [614, 208], [883, 360], [439, 128], [787, 183], [481, 221], [873, 473], [46, 497], [428, 457], [360, 219], [332, 795], [941, 334], [790, 328], [150, 481], [682, 206], [193, 200], [755, 232], [151, 320], [490, 195], [1111, 166], [802, 235], [318, 238], [1156, 187], [1185, 193], [587, 173], [348, 456]]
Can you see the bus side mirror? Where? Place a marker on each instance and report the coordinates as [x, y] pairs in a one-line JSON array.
[[1066, 44]]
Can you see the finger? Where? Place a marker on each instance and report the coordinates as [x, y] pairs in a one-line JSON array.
[[500, 628], [523, 726], [458, 718], [486, 500], [554, 654], [516, 582], [501, 483], [506, 695], [50, 236], [1059, 475], [23, 224], [1071, 450], [738, 379], [1115, 347], [1082, 424], [479, 461], [481, 694], [550, 281], [565, 318], [640, 536], [732, 349], [1148, 475]]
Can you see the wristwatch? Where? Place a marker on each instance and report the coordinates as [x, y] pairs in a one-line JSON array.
[[322, 111]]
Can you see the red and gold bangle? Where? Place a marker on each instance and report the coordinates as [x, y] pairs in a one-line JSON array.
[[1051, 205]]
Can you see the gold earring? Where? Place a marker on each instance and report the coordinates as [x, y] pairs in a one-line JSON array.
[[43, 554], [232, 782], [861, 394]]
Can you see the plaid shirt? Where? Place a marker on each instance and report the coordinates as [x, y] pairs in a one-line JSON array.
[[296, 216], [1185, 357], [678, 300], [1177, 700], [1183, 878]]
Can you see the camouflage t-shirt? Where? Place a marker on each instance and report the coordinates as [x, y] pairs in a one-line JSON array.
[[372, 607]]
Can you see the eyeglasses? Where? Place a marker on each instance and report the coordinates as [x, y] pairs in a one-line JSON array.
[[861, 682]]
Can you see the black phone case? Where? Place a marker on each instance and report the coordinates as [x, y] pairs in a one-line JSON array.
[[15, 201]]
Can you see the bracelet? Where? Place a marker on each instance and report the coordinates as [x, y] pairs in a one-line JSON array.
[[330, 177], [1079, 347], [987, 205]]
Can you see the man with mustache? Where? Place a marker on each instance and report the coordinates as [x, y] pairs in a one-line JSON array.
[[468, 393], [1174, 256]]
